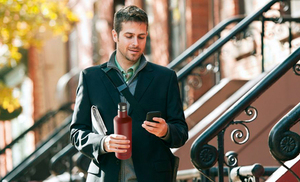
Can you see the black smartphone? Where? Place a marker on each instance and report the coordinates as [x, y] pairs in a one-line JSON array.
[[152, 114]]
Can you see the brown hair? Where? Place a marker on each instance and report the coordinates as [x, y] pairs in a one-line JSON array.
[[129, 13]]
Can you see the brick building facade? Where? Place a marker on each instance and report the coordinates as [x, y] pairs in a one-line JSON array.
[[174, 25]]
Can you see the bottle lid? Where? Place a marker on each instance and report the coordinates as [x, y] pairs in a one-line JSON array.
[[122, 106]]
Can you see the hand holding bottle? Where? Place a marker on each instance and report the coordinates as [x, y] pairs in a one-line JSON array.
[[116, 143], [122, 128]]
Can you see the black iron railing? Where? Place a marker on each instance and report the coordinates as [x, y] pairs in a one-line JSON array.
[[64, 161], [44, 147], [190, 77], [68, 151], [199, 44], [49, 115], [203, 155], [36, 167], [254, 170], [242, 25], [200, 147], [284, 144]]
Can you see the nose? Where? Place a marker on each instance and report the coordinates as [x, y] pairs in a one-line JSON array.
[[135, 41]]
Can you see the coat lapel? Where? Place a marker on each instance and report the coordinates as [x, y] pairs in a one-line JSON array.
[[112, 91], [145, 77]]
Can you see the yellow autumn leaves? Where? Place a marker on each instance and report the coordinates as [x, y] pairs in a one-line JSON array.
[[23, 21], [8, 101]]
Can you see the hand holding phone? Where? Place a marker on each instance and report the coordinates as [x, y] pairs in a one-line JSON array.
[[150, 115], [158, 129]]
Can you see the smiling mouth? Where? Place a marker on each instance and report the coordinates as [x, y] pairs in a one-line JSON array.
[[134, 50]]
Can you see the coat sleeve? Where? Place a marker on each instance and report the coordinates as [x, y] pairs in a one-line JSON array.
[[178, 128], [81, 132]]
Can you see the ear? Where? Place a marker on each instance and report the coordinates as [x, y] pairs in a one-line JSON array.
[[114, 35]]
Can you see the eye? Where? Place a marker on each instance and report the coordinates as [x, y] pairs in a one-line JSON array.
[[141, 37], [128, 36]]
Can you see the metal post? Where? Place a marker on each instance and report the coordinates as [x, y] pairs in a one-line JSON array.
[[70, 167], [290, 37], [221, 156], [183, 91], [203, 178], [262, 43], [218, 66]]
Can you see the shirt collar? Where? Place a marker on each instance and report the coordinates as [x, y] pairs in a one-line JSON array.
[[112, 63], [133, 67]]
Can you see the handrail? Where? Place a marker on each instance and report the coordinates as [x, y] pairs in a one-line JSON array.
[[281, 132], [220, 42], [56, 161], [242, 104], [217, 30], [203, 40], [43, 119], [58, 164], [63, 82], [43, 150], [254, 171], [213, 172], [284, 18]]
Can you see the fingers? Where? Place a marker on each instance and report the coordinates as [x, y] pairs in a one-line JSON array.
[[159, 129], [156, 123], [116, 143], [159, 120]]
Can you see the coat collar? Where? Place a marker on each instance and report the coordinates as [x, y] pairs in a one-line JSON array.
[[110, 88], [145, 77]]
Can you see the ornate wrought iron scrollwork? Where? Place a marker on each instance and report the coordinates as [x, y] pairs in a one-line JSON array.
[[285, 6], [232, 160], [238, 134], [195, 79], [285, 146], [206, 158], [288, 144], [250, 111], [296, 69]]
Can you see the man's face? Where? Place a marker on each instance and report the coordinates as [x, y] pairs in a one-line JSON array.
[[131, 42]]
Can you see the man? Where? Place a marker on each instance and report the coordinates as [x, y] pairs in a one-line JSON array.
[[153, 86]]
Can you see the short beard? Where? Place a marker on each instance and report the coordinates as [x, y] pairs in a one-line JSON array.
[[131, 60]]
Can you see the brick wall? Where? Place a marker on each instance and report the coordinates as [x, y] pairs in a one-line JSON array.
[[198, 23], [159, 32], [197, 19], [46, 66], [105, 9]]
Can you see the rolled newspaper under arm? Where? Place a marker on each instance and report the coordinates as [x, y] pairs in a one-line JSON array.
[[97, 121]]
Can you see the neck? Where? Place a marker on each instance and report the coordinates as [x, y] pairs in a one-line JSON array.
[[124, 63]]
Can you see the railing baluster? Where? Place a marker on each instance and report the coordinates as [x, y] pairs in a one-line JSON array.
[[262, 43], [221, 155]]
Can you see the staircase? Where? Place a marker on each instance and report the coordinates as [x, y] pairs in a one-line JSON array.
[[36, 165], [216, 120], [274, 86]]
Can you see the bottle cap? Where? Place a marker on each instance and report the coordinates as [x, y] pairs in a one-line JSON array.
[[122, 106]]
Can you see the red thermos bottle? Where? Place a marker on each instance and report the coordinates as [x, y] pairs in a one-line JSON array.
[[123, 126]]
